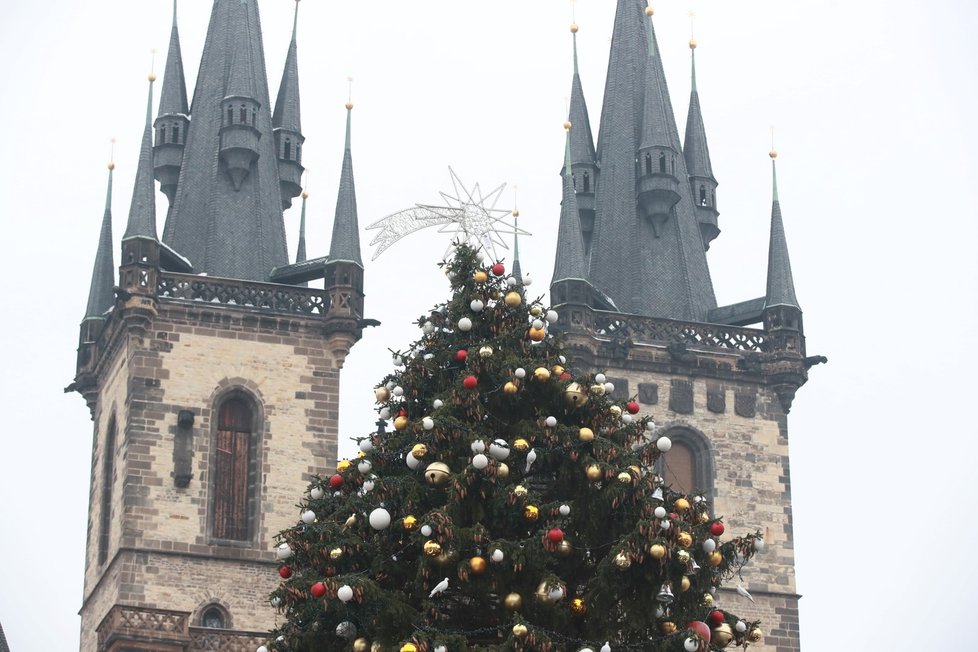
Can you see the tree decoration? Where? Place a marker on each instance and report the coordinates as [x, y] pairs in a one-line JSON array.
[[508, 475]]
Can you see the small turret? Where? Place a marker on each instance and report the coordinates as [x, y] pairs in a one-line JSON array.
[[287, 125], [239, 117], [702, 184], [583, 159], [173, 119], [657, 183]]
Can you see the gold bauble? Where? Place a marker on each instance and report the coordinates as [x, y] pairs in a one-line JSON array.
[[485, 352], [409, 523], [755, 635], [400, 423], [594, 473], [703, 517], [578, 607], [682, 556], [382, 394], [361, 645], [336, 553], [520, 630], [636, 470], [376, 647], [510, 388], [685, 539], [657, 550], [585, 434], [557, 369], [343, 465], [715, 558], [513, 299], [419, 451], [541, 374], [531, 513], [521, 445], [513, 601], [537, 334], [684, 584], [681, 505], [519, 490], [437, 474], [722, 635], [615, 410], [597, 390], [623, 561], [480, 277], [708, 600], [409, 647], [536, 310], [575, 396], [502, 470], [432, 548], [668, 627], [625, 477], [565, 548], [477, 565]]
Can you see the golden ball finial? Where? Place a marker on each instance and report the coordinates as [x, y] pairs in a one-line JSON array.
[[305, 193], [516, 212], [692, 44], [773, 154], [349, 106], [111, 165], [567, 125], [573, 28], [152, 77], [649, 11]]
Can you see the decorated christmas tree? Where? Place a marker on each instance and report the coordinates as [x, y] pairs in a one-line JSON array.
[[514, 506]]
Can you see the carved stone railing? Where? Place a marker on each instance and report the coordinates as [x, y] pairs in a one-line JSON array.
[[268, 297], [134, 623], [202, 638], [650, 330]]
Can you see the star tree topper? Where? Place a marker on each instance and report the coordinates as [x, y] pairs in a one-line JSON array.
[[470, 215]]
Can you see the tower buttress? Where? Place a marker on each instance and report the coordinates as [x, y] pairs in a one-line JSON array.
[[287, 124], [702, 183], [173, 118]]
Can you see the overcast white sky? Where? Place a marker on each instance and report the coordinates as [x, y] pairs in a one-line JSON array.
[[875, 108]]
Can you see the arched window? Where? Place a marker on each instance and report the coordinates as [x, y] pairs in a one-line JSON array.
[[288, 149], [230, 115], [688, 466], [108, 479], [674, 165], [648, 164], [162, 137], [213, 618], [233, 461], [587, 182], [662, 162], [702, 195], [176, 134]]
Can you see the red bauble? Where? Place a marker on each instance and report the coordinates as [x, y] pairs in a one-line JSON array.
[[336, 481], [461, 355], [556, 535], [701, 629], [674, 516], [716, 529], [715, 619], [318, 590], [402, 412], [498, 269], [284, 572], [470, 382], [565, 376], [633, 407]]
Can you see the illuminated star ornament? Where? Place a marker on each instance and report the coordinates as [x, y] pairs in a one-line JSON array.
[[468, 214]]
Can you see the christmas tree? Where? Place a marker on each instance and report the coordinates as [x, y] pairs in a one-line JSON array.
[[514, 506]]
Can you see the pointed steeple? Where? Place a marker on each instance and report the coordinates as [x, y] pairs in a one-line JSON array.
[[300, 253], [287, 123], [100, 295], [173, 117], [345, 243], [696, 153], [780, 285], [582, 151], [226, 216], [570, 262], [517, 268], [142, 210]]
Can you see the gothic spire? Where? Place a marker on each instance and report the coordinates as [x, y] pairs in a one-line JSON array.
[[655, 110], [226, 215], [172, 119], [287, 123], [173, 96], [142, 210], [345, 243], [696, 153], [517, 268], [300, 253], [581, 139], [100, 295], [780, 285], [570, 262]]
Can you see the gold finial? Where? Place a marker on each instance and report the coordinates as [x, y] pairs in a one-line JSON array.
[[111, 165], [516, 201], [692, 44], [773, 153], [152, 66], [349, 98], [573, 28], [692, 35], [649, 11], [305, 178], [567, 125], [305, 193]]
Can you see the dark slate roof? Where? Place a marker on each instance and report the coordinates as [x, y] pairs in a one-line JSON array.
[[300, 253], [300, 273], [744, 313], [780, 285], [173, 97], [345, 243], [666, 276], [3, 641], [581, 139], [287, 114], [228, 233], [100, 295], [655, 123], [517, 268], [695, 149], [142, 210], [570, 263]]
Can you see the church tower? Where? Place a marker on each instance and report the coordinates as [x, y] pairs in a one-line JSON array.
[[633, 289], [211, 364]]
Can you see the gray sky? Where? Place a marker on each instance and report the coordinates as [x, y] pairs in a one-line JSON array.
[[874, 104]]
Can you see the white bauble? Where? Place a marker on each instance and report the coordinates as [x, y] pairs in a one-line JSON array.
[[480, 256], [283, 551], [600, 379], [465, 324], [660, 512], [412, 462], [385, 413], [380, 519], [397, 361], [691, 645], [365, 445], [556, 594], [397, 391], [478, 446], [262, 648], [585, 649], [650, 425], [391, 384], [368, 486], [709, 546], [497, 555], [665, 524], [438, 403], [626, 418], [365, 466], [440, 648], [511, 282], [276, 601], [308, 516], [527, 280], [537, 323], [664, 444], [426, 530], [564, 510], [605, 648], [480, 461], [499, 449], [427, 423], [429, 356], [562, 359], [520, 373], [759, 545], [477, 305], [552, 316], [741, 626], [345, 593], [609, 388], [316, 493], [551, 421], [428, 328]]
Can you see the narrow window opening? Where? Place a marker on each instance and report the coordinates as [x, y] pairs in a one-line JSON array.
[[587, 182], [288, 150], [648, 164], [108, 476], [213, 618], [162, 138], [702, 195], [232, 466], [230, 115], [176, 134], [674, 166], [662, 163], [243, 114]]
